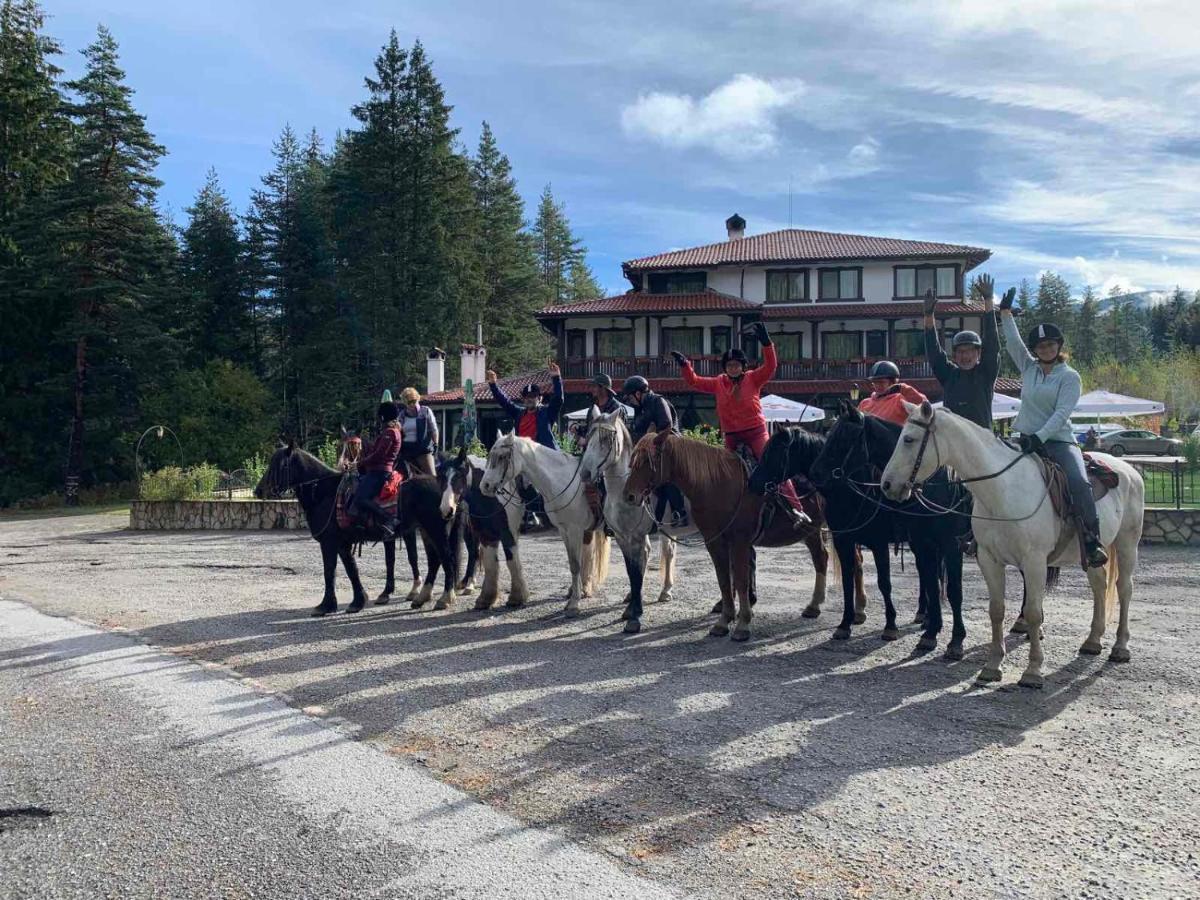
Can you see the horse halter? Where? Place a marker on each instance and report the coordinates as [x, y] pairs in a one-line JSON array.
[[608, 455]]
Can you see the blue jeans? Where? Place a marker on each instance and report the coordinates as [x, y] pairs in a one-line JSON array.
[[366, 494], [1070, 458]]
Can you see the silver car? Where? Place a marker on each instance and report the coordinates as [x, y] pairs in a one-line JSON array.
[[1138, 442]]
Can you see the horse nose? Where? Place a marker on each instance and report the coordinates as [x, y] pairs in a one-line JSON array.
[[887, 486], [630, 498]]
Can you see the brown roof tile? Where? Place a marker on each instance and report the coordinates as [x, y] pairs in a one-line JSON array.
[[636, 302], [796, 245]]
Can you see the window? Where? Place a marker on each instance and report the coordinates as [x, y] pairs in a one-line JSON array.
[[876, 343], [787, 285], [909, 343], [720, 339], [678, 282], [576, 344], [688, 341], [913, 281], [841, 284], [787, 346], [614, 343], [842, 344]]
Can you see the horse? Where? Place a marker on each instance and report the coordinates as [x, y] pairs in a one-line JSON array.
[[316, 485], [1015, 524], [727, 514], [555, 476], [859, 514], [491, 524], [609, 448]]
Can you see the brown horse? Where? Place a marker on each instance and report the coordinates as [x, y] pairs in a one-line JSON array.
[[727, 514]]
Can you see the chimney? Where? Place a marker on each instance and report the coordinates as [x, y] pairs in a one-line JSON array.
[[735, 227], [435, 371], [474, 363]]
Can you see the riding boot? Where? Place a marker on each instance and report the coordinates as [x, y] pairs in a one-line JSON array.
[[1096, 557], [966, 543]]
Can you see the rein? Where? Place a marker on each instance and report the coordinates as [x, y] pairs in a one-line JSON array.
[[662, 527]]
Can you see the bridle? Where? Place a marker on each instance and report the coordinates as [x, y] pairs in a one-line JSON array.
[[911, 482]]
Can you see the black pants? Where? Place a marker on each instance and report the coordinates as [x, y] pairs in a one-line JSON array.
[[668, 495], [366, 494]]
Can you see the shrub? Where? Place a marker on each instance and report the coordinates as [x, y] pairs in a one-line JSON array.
[[1191, 453], [327, 452], [174, 483], [706, 434], [255, 467]]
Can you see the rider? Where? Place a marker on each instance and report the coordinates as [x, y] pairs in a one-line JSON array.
[[655, 411], [888, 393], [1049, 392], [376, 465], [969, 381], [604, 397], [420, 433], [532, 419], [739, 410]]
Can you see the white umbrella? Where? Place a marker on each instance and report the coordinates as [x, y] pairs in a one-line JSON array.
[[781, 409], [580, 414], [1106, 403], [1003, 407]]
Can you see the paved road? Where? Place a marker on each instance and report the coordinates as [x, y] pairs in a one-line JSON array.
[[790, 766]]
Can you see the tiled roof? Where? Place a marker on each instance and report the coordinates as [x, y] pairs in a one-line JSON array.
[[795, 245], [863, 310], [638, 303], [510, 386]]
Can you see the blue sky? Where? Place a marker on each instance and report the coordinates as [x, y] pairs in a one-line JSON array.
[[1062, 134]]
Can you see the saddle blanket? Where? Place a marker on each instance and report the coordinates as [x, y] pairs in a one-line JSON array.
[[1100, 475], [389, 496]]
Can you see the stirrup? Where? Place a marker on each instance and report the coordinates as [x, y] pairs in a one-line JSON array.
[[1097, 557]]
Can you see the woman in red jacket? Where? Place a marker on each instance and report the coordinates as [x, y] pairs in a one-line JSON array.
[[739, 409]]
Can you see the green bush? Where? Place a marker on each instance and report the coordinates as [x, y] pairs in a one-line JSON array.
[[255, 467], [706, 434], [328, 450], [475, 448], [1191, 453], [174, 483]]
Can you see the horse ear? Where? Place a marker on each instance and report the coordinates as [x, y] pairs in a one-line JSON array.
[[660, 438], [291, 444], [462, 455], [345, 433], [926, 410]]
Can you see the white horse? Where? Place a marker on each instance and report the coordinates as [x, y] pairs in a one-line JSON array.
[[609, 448], [555, 476], [1015, 524]]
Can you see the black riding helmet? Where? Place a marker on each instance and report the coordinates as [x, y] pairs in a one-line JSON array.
[[735, 354], [387, 411], [885, 368], [966, 339], [633, 384], [1047, 331], [531, 390]]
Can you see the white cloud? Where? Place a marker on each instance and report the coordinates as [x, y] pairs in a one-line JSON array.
[[736, 119], [865, 153]]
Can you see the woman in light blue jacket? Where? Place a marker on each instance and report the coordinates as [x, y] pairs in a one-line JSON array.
[[1049, 393]]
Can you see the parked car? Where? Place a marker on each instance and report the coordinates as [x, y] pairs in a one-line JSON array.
[[1136, 441], [1080, 431]]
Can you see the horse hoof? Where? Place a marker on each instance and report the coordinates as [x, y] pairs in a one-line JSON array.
[[444, 602], [383, 599], [860, 618], [665, 597], [571, 612], [926, 644], [986, 674], [716, 608], [918, 619], [841, 634], [355, 606], [633, 626], [718, 631], [627, 616], [483, 602], [1090, 648], [464, 590], [515, 602], [322, 609], [741, 635], [890, 634], [954, 651], [1119, 654], [417, 604], [1019, 627], [1029, 680], [810, 612]]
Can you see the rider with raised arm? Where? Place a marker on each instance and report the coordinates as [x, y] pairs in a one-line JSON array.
[[970, 380], [1050, 390], [655, 411], [534, 420], [739, 409]]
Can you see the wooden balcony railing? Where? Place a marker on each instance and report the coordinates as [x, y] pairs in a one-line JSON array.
[[789, 370]]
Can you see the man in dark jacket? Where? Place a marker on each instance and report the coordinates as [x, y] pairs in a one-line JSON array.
[[533, 419], [969, 381], [655, 411]]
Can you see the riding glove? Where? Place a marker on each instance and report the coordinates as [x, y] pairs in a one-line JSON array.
[[929, 303], [1006, 302], [760, 332], [679, 357], [1031, 443]]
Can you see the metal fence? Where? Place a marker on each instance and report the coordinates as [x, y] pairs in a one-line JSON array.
[[235, 485], [1169, 482]]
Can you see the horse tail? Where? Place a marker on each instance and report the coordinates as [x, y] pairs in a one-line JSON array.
[[594, 562], [835, 565], [1052, 573], [1110, 588]]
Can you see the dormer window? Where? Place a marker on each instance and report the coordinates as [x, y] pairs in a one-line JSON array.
[[913, 281], [678, 282]]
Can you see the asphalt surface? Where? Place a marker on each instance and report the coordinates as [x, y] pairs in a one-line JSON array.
[[788, 766]]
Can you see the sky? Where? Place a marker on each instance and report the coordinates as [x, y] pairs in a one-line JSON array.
[[1062, 134]]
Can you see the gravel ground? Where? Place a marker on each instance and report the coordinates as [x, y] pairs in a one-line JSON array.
[[789, 766]]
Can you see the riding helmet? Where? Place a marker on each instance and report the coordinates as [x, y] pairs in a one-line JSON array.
[[531, 390], [734, 354], [885, 368], [633, 384], [1047, 331], [388, 411], [966, 339]]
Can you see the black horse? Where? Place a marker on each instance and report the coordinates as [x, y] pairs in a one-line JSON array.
[[842, 466], [316, 485]]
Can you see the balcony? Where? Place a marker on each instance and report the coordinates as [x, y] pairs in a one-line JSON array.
[[789, 370]]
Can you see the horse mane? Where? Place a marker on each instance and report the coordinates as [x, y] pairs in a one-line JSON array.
[[803, 447], [699, 463]]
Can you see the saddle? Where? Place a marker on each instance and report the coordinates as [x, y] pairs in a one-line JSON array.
[[1100, 476], [389, 498]]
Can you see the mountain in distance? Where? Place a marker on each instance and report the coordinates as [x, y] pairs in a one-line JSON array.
[[1139, 299]]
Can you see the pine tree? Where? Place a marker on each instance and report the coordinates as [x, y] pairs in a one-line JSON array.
[[1121, 329], [1176, 319], [512, 292], [1053, 304], [582, 284], [561, 256], [1024, 296], [1087, 336]]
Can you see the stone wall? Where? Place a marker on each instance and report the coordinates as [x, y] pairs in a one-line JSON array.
[[1171, 526], [215, 515]]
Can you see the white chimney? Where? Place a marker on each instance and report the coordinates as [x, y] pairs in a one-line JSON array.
[[474, 363], [735, 227], [435, 371]]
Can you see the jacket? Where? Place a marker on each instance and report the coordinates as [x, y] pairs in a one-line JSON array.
[[547, 413], [655, 412], [1047, 401], [968, 392], [738, 406], [381, 457], [427, 433], [889, 405]]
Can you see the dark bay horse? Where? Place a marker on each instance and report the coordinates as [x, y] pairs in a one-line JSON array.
[[315, 486], [727, 514]]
